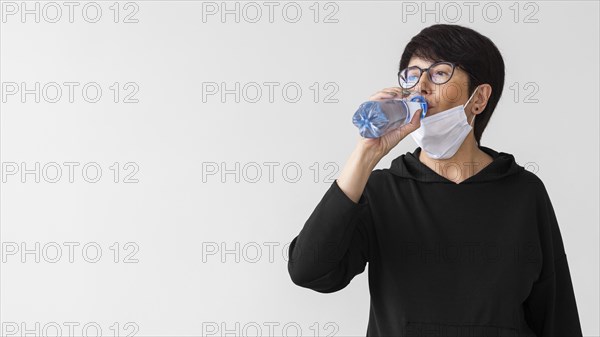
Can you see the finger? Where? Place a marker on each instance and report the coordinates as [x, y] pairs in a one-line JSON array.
[[415, 121], [391, 91], [383, 95], [398, 90], [399, 133]]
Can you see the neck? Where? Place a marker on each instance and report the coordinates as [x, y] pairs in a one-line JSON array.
[[466, 162]]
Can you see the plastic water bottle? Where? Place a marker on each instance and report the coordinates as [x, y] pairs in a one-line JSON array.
[[376, 118]]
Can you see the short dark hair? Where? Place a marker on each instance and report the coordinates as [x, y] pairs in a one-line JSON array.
[[477, 54]]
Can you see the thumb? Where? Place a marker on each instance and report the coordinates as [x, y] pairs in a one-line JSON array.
[[415, 121], [401, 132]]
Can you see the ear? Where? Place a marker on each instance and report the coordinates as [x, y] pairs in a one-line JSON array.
[[481, 98]]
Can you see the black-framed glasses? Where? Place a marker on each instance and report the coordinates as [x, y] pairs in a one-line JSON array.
[[439, 73]]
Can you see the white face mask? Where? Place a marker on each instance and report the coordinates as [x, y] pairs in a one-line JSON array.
[[441, 135]]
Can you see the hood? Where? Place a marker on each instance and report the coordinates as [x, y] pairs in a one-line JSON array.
[[409, 166]]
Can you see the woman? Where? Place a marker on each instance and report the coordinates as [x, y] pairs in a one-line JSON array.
[[460, 239]]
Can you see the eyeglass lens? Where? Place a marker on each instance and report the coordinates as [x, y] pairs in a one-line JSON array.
[[439, 73]]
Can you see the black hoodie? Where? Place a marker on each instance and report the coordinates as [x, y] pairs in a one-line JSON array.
[[481, 258]]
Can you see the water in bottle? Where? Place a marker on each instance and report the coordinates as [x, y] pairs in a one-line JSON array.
[[376, 118]]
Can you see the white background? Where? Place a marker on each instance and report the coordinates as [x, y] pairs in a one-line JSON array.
[[168, 222]]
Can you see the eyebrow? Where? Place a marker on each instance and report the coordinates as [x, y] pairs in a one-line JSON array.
[[433, 62]]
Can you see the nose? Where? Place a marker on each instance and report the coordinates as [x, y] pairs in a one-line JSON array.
[[423, 87]]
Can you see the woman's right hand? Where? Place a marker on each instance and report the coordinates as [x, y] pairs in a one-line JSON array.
[[369, 151], [380, 147]]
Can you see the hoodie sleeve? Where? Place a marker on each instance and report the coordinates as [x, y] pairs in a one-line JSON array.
[[333, 245], [551, 309]]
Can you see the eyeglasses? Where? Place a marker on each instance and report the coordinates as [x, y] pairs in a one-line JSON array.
[[439, 73]]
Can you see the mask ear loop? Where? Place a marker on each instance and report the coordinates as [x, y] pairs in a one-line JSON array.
[[474, 91], [464, 106]]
